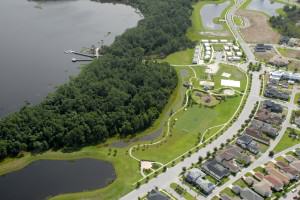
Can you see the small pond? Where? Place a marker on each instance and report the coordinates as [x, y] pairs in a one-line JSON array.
[[267, 6], [211, 11], [46, 178]]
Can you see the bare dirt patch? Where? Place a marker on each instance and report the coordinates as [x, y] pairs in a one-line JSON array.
[[264, 56], [259, 30]]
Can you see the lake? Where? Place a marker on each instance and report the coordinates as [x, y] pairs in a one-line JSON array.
[[46, 178], [267, 6], [34, 36], [211, 11]]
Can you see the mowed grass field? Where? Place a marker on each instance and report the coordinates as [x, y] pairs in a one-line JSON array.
[[189, 124], [235, 73], [180, 58]]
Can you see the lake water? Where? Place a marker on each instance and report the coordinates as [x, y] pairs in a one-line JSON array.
[[211, 11], [34, 36], [267, 6], [46, 178]]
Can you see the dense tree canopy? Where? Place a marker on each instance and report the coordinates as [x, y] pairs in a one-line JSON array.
[[122, 93], [288, 25]]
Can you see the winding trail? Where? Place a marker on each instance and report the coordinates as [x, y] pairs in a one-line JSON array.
[[171, 175]]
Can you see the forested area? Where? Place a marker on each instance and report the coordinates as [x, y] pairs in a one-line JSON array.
[[288, 25], [122, 93]]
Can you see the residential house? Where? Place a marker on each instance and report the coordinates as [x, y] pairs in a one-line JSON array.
[[297, 152], [257, 136], [273, 107], [259, 176], [157, 195], [195, 177], [275, 183], [247, 142], [262, 48], [291, 172], [193, 174], [204, 185], [215, 169], [290, 158], [226, 158], [295, 164], [271, 92], [269, 117], [276, 173], [266, 128], [281, 164], [263, 188], [248, 194], [249, 181]]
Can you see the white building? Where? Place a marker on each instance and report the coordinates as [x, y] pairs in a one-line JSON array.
[[239, 53], [226, 48], [206, 57], [236, 48], [208, 48], [229, 53], [214, 41], [277, 75], [223, 41], [236, 58]]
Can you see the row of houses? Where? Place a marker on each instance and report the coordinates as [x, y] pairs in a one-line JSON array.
[[274, 92], [233, 52], [277, 176], [196, 177], [262, 48], [261, 185], [197, 55], [284, 75], [226, 162], [263, 127], [215, 41]]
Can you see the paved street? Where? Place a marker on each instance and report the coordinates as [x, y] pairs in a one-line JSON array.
[[265, 157], [171, 175]]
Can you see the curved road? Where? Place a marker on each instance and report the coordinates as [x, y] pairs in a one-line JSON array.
[[171, 175]]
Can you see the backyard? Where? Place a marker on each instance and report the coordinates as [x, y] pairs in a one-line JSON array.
[[287, 140]]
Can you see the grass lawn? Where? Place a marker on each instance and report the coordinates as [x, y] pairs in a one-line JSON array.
[[297, 97], [228, 192], [286, 141], [290, 53], [192, 122], [184, 193], [238, 20], [181, 57], [211, 179], [240, 183], [259, 169], [197, 26], [236, 75]]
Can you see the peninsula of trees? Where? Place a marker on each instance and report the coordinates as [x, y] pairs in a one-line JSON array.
[[122, 93]]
